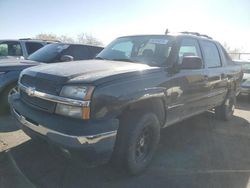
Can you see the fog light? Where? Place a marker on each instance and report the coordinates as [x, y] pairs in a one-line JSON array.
[[67, 110]]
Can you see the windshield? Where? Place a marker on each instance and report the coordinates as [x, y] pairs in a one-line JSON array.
[[246, 68], [48, 53], [151, 50]]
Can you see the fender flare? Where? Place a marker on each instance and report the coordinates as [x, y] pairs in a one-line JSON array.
[[156, 93]]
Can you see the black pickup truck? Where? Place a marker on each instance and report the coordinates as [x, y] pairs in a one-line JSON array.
[[116, 105]]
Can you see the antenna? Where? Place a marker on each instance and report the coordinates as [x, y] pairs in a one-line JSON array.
[[166, 32]]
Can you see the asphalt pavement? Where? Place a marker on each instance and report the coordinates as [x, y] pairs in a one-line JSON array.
[[199, 152]]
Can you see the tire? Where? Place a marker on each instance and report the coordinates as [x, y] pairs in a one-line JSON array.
[[136, 142], [226, 110], [4, 105]]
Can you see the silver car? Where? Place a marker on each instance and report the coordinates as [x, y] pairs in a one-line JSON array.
[[245, 84]]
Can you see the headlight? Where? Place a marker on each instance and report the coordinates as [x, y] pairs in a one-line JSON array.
[[78, 93]]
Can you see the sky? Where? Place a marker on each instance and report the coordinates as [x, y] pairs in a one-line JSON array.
[[224, 20]]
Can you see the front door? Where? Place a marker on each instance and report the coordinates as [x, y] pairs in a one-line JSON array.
[[189, 86]]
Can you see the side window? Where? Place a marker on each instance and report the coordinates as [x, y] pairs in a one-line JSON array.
[[188, 47], [79, 52], [3, 49], [211, 54], [10, 48], [32, 47]]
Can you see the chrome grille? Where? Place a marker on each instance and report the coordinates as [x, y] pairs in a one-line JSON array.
[[43, 85]]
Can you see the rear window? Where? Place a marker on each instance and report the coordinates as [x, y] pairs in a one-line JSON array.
[[32, 47], [78, 52]]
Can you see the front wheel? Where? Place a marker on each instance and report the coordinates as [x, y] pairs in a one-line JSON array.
[[4, 105], [226, 110], [136, 142]]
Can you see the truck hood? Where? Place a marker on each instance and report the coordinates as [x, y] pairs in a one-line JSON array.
[[87, 71], [16, 64]]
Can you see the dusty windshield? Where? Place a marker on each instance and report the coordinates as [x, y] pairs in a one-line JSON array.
[[151, 50]]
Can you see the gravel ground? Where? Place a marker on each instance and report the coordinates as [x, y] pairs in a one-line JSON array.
[[199, 152]]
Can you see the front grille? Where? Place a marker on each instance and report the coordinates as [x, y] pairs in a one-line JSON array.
[[42, 85], [38, 103]]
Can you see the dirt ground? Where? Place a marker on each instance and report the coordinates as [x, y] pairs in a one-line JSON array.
[[199, 152]]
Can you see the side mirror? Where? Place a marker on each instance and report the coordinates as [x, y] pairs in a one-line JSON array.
[[191, 62], [66, 58]]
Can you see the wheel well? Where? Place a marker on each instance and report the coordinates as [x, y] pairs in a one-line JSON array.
[[9, 85], [155, 105]]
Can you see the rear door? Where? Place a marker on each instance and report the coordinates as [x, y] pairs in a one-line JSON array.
[[216, 73]]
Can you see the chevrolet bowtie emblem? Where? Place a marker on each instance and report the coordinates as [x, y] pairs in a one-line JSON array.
[[31, 91]]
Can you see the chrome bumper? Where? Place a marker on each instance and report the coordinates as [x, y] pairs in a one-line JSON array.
[[90, 139]]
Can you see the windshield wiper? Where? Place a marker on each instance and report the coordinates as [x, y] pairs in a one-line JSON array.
[[124, 59], [100, 58]]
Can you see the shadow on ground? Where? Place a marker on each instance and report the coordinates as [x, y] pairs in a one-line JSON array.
[[199, 152], [243, 103], [7, 125]]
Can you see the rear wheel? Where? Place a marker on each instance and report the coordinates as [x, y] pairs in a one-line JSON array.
[[4, 105], [226, 110], [136, 143]]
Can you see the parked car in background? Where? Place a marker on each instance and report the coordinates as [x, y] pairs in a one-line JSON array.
[[59, 52], [51, 53], [245, 84], [21, 48], [116, 105]]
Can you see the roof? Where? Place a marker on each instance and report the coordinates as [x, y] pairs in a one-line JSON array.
[[27, 39], [185, 33]]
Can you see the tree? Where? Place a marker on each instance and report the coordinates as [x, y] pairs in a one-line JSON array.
[[44, 36], [233, 52], [82, 38], [85, 38], [230, 49], [66, 39]]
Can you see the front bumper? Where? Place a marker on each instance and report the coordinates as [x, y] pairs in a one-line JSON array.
[[92, 137]]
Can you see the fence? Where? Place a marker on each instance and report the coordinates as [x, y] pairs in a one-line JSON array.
[[240, 56]]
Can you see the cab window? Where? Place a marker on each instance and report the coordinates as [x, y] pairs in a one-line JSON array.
[[211, 54]]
